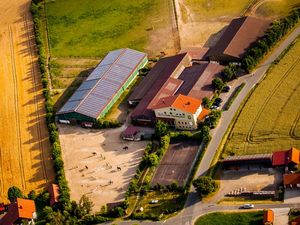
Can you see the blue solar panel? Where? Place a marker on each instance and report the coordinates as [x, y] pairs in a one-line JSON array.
[[103, 83]]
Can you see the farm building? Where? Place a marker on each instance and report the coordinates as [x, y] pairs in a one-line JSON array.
[[172, 76], [235, 162], [179, 111], [18, 211], [268, 217], [289, 157], [53, 190], [291, 180], [103, 87], [237, 38]]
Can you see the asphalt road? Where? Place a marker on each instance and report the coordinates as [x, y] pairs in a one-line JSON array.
[[193, 207]]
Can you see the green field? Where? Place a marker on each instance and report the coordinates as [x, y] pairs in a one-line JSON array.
[[93, 27], [270, 120], [208, 9], [218, 218], [277, 8]]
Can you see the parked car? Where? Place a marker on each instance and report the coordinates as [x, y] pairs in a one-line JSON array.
[[214, 106], [247, 206], [218, 100], [154, 201], [226, 88]]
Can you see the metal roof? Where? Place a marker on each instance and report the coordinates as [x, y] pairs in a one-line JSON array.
[[103, 83]]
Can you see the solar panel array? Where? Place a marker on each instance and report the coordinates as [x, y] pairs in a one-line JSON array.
[[103, 83]]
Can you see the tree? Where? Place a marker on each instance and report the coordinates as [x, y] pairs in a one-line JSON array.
[[13, 193], [206, 102], [205, 185], [85, 205], [151, 160], [217, 84], [161, 128]]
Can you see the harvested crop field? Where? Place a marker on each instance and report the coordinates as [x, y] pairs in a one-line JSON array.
[[176, 164], [270, 120], [25, 159]]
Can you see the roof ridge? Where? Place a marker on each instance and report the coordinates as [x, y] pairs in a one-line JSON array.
[[101, 78]]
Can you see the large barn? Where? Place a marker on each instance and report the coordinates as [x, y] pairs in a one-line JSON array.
[[237, 38], [103, 87]]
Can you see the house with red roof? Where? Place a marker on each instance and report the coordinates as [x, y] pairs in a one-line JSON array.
[[179, 111], [289, 157], [21, 209]]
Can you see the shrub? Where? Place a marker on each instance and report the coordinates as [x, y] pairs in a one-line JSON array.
[[205, 185], [217, 84], [13, 193], [161, 129]]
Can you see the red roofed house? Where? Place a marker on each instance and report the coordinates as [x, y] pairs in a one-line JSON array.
[[53, 190], [286, 158], [21, 209], [268, 217], [179, 110], [291, 180]]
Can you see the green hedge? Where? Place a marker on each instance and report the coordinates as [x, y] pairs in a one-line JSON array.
[[273, 35], [36, 10]]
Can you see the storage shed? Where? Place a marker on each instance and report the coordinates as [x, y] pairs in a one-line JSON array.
[[103, 87]]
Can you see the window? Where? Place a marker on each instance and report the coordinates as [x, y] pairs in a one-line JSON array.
[[165, 113], [171, 113]]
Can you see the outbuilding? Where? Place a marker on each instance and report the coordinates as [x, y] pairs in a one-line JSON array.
[[103, 87]]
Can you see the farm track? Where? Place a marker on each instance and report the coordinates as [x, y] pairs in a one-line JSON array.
[[249, 138], [16, 100], [37, 115]]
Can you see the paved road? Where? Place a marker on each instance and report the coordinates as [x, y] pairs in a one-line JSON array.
[[193, 207]]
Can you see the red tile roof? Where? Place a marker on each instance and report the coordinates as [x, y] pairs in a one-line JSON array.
[[21, 209], [54, 193], [296, 221], [268, 216], [180, 102], [291, 179], [238, 36], [282, 158], [205, 112]]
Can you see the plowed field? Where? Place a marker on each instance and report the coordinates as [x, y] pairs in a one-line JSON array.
[[24, 146]]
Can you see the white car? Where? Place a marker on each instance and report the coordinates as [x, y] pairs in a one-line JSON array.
[[154, 201], [247, 206]]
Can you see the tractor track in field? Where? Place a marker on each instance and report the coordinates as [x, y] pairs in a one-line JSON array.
[[249, 138], [16, 100], [293, 128], [37, 117]]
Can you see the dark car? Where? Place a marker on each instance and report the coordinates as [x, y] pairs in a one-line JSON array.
[[226, 88]]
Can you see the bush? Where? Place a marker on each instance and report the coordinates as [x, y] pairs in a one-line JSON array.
[[161, 129], [205, 185], [217, 84], [13, 193]]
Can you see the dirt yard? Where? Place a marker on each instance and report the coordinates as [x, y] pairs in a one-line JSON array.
[[24, 147], [176, 164], [252, 180], [97, 164], [194, 32]]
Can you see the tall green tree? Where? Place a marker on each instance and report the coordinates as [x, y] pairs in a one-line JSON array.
[[13, 193], [161, 128]]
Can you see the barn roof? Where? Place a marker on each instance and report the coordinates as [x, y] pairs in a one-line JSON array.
[[197, 80], [162, 70], [291, 179], [93, 95], [239, 35], [53, 190], [268, 216], [282, 158]]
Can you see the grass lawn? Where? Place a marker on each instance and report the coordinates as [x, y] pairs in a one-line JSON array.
[[270, 120], [277, 8], [208, 9], [168, 203], [219, 218], [93, 27]]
